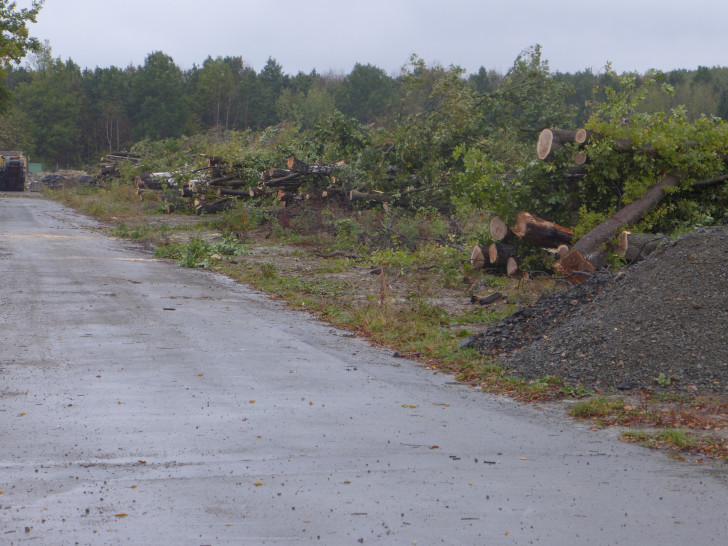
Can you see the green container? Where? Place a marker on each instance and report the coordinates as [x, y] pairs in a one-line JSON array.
[[35, 168]]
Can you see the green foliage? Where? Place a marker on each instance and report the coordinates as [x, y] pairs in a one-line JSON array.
[[596, 407], [481, 183], [156, 104], [15, 39], [661, 143], [366, 93], [199, 253], [337, 136], [51, 103]]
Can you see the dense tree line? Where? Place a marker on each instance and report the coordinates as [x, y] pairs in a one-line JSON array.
[[66, 115]]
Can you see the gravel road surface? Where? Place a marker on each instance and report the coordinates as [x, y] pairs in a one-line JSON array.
[[141, 403]]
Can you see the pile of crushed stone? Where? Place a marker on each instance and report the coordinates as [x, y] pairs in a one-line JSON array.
[[661, 324]]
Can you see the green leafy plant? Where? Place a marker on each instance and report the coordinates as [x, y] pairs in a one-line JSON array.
[[663, 380]]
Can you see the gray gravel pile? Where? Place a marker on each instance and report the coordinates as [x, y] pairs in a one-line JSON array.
[[662, 324]]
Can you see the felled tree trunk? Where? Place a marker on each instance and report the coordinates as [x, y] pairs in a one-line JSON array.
[[287, 180], [333, 192], [486, 300], [540, 232], [224, 181], [259, 192], [273, 173], [588, 250], [356, 195], [288, 198], [232, 193], [298, 166], [213, 207]]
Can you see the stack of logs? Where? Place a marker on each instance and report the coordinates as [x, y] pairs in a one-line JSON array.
[[502, 254], [109, 164], [220, 192]]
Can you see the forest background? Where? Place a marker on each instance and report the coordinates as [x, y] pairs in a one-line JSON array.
[[441, 137]]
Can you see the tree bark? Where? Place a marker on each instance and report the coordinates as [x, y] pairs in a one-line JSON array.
[[232, 193], [203, 207], [356, 195], [498, 253], [486, 300], [540, 232], [222, 181], [273, 173], [282, 181], [259, 192], [333, 192], [298, 166], [289, 198]]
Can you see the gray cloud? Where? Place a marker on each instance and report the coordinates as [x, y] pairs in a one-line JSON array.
[[334, 35]]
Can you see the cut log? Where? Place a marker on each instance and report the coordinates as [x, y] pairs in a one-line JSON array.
[[156, 183], [478, 257], [214, 161], [498, 254], [540, 232], [498, 229], [259, 192], [328, 193], [356, 195], [186, 192], [486, 300], [232, 193], [574, 266], [222, 181], [299, 166], [203, 207], [512, 269], [550, 140], [287, 180], [634, 247], [277, 173], [289, 198], [197, 186]]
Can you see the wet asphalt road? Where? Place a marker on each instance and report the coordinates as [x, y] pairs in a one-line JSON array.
[[141, 403]]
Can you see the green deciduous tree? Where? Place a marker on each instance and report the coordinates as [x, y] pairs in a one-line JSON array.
[[15, 39], [52, 104], [366, 93], [156, 98]]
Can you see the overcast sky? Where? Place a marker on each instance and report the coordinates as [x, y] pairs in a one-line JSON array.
[[335, 34]]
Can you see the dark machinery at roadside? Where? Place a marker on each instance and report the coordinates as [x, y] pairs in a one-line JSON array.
[[12, 171]]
